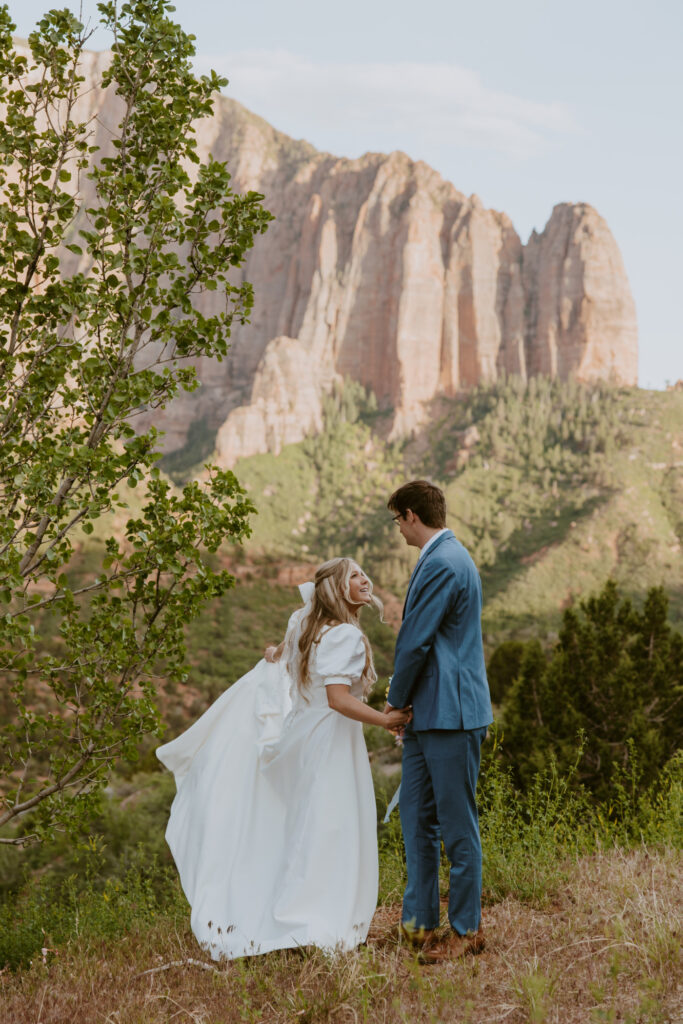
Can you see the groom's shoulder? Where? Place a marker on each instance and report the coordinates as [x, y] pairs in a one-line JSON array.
[[444, 556], [447, 546], [453, 553]]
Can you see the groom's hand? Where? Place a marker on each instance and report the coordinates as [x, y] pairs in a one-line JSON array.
[[400, 731]]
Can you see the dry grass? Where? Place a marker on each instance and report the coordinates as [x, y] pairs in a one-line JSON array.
[[607, 950]]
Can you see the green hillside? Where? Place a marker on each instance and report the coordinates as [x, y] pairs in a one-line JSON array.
[[552, 486]]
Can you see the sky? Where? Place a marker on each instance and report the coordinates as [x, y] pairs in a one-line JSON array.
[[527, 104]]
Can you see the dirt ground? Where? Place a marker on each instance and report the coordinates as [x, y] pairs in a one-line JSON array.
[[605, 951]]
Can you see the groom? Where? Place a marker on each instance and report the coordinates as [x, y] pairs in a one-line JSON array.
[[439, 669]]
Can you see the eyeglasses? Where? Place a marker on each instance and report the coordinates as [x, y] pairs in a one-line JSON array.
[[395, 519]]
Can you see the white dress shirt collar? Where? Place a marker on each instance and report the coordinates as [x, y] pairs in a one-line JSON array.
[[431, 540]]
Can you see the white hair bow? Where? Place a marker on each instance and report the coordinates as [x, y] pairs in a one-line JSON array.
[[307, 591]]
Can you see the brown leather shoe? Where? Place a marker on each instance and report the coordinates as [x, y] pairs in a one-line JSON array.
[[419, 938], [454, 946], [476, 942]]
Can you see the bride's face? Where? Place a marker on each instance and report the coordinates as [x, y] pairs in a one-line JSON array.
[[359, 587]]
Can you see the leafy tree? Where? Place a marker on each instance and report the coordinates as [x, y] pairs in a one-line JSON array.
[[616, 675], [152, 228]]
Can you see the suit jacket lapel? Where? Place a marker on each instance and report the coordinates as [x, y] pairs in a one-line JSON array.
[[420, 562], [410, 583]]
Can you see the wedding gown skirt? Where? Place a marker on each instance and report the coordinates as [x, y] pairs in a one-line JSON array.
[[273, 826]]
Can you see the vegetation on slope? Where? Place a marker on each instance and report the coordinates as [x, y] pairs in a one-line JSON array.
[[615, 677], [606, 950], [560, 876], [553, 487]]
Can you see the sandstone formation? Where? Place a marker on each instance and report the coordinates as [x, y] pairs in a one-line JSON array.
[[580, 317], [379, 270], [383, 272], [285, 403]]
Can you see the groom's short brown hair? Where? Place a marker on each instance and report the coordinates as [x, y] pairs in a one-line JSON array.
[[424, 499]]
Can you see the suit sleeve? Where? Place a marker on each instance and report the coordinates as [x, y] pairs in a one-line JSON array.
[[435, 590]]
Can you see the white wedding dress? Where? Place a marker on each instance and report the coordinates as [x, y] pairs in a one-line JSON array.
[[273, 826]]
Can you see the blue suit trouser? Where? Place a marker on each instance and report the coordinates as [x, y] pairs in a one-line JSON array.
[[438, 801]]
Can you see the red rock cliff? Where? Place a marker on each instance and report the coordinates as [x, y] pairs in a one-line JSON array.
[[380, 270]]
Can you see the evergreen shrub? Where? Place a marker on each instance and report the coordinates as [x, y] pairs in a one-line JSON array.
[[615, 676]]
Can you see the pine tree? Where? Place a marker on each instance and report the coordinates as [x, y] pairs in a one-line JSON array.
[[616, 675]]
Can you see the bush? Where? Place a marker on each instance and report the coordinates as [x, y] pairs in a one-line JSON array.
[[47, 913], [530, 839], [503, 668], [615, 675]]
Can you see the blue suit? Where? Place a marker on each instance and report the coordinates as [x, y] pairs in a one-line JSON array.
[[439, 668]]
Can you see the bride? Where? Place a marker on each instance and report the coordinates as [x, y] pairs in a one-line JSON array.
[[273, 826]]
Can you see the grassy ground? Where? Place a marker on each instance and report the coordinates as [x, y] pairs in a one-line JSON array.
[[581, 911], [605, 949]]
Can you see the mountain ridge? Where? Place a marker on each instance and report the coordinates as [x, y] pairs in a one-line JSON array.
[[379, 270]]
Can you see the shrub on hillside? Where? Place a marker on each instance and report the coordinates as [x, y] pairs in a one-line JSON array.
[[503, 668], [615, 675]]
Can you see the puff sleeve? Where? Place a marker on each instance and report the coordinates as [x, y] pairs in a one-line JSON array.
[[341, 655]]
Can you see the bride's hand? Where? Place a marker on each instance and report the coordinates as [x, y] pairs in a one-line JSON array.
[[272, 654], [397, 718]]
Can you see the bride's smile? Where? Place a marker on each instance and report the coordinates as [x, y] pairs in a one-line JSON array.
[[360, 588]]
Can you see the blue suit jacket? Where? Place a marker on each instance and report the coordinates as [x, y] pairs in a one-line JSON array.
[[439, 661]]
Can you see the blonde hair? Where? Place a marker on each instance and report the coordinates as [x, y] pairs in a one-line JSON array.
[[330, 608]]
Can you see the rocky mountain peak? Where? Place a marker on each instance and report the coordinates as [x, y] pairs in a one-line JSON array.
[[379, 270]]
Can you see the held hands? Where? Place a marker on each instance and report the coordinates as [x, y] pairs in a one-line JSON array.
[[397, 726], [396, 719]]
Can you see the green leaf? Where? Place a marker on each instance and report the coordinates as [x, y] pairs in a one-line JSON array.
[[78, 375]]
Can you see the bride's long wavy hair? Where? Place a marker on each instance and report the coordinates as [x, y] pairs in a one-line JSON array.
[[329, 608]]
